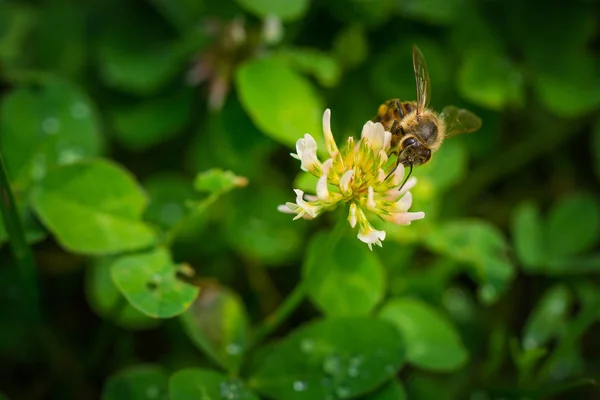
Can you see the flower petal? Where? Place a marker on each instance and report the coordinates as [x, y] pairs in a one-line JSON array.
[[367, 130], [329, 139], [284, 208], [370, 235], [371, 198], [345, 182], [404, 203], [398, 175], [410, 183], [306, 149], [405, 218], [310, 209], [352, 215]]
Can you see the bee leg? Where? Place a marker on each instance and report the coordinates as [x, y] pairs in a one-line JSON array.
[[394, 170], [395, 128], [399, 108]]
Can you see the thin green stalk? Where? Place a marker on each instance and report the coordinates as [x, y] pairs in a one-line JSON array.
[[21, 250], [297, 296], [182, 224], [586, 317]]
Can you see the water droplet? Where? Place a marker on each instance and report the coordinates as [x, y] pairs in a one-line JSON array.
[[326, 382], [67, 156], [300, 386], [51, 125], [152, 392], [233, 349], [343, 391], [307, 345], [79, 110], [353, 371], [39, 167], [232, 390], [156, 278], [332, 364]]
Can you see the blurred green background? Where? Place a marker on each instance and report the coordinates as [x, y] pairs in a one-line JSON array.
[[147, 146]]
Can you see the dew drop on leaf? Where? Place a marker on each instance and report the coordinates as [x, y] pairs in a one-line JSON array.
[[79, 110], [343, 391], [332, 364], [50, 125], [300, 386], [152, 392], [307, 345], [233, 349]]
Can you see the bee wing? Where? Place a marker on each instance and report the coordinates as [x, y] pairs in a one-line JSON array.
[[459, 120], [422, 78]]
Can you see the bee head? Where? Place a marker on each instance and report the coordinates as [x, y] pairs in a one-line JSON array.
[[413, 152]]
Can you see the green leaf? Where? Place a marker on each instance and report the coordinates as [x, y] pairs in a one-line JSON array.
[[282, 103], [149, 282], [218, 325], [42, 127], [256, 229], [140, 382], [232, 132], [286, 10], [339, 357], [59, 42], [93, 207], [203, 384], [489, 78], [391, 391], [548, 318], [368, 13], [217, 181], [438, 12], [482, 246], [142, 60], [568, 87], [348, 280], [350, 46], [448, 167], [527, 229], [106, 300], [169, 194], [526, 360], [431, 341], [182, 14], [16, 22], [392, 76], [573, 225], [584, 264], [145, 124], [311, 61], [306, 182]]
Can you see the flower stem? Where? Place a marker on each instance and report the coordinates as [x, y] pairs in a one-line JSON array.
[[28, 273], [298, 294]]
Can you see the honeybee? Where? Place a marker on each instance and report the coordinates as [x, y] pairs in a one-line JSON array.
[[418, 131]]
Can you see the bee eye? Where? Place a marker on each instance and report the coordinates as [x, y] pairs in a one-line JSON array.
[[408, 142]]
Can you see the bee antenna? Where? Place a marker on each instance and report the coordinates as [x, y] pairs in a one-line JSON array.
[[407, 176]]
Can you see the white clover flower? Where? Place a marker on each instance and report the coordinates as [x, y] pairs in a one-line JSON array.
[[355, 175]]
